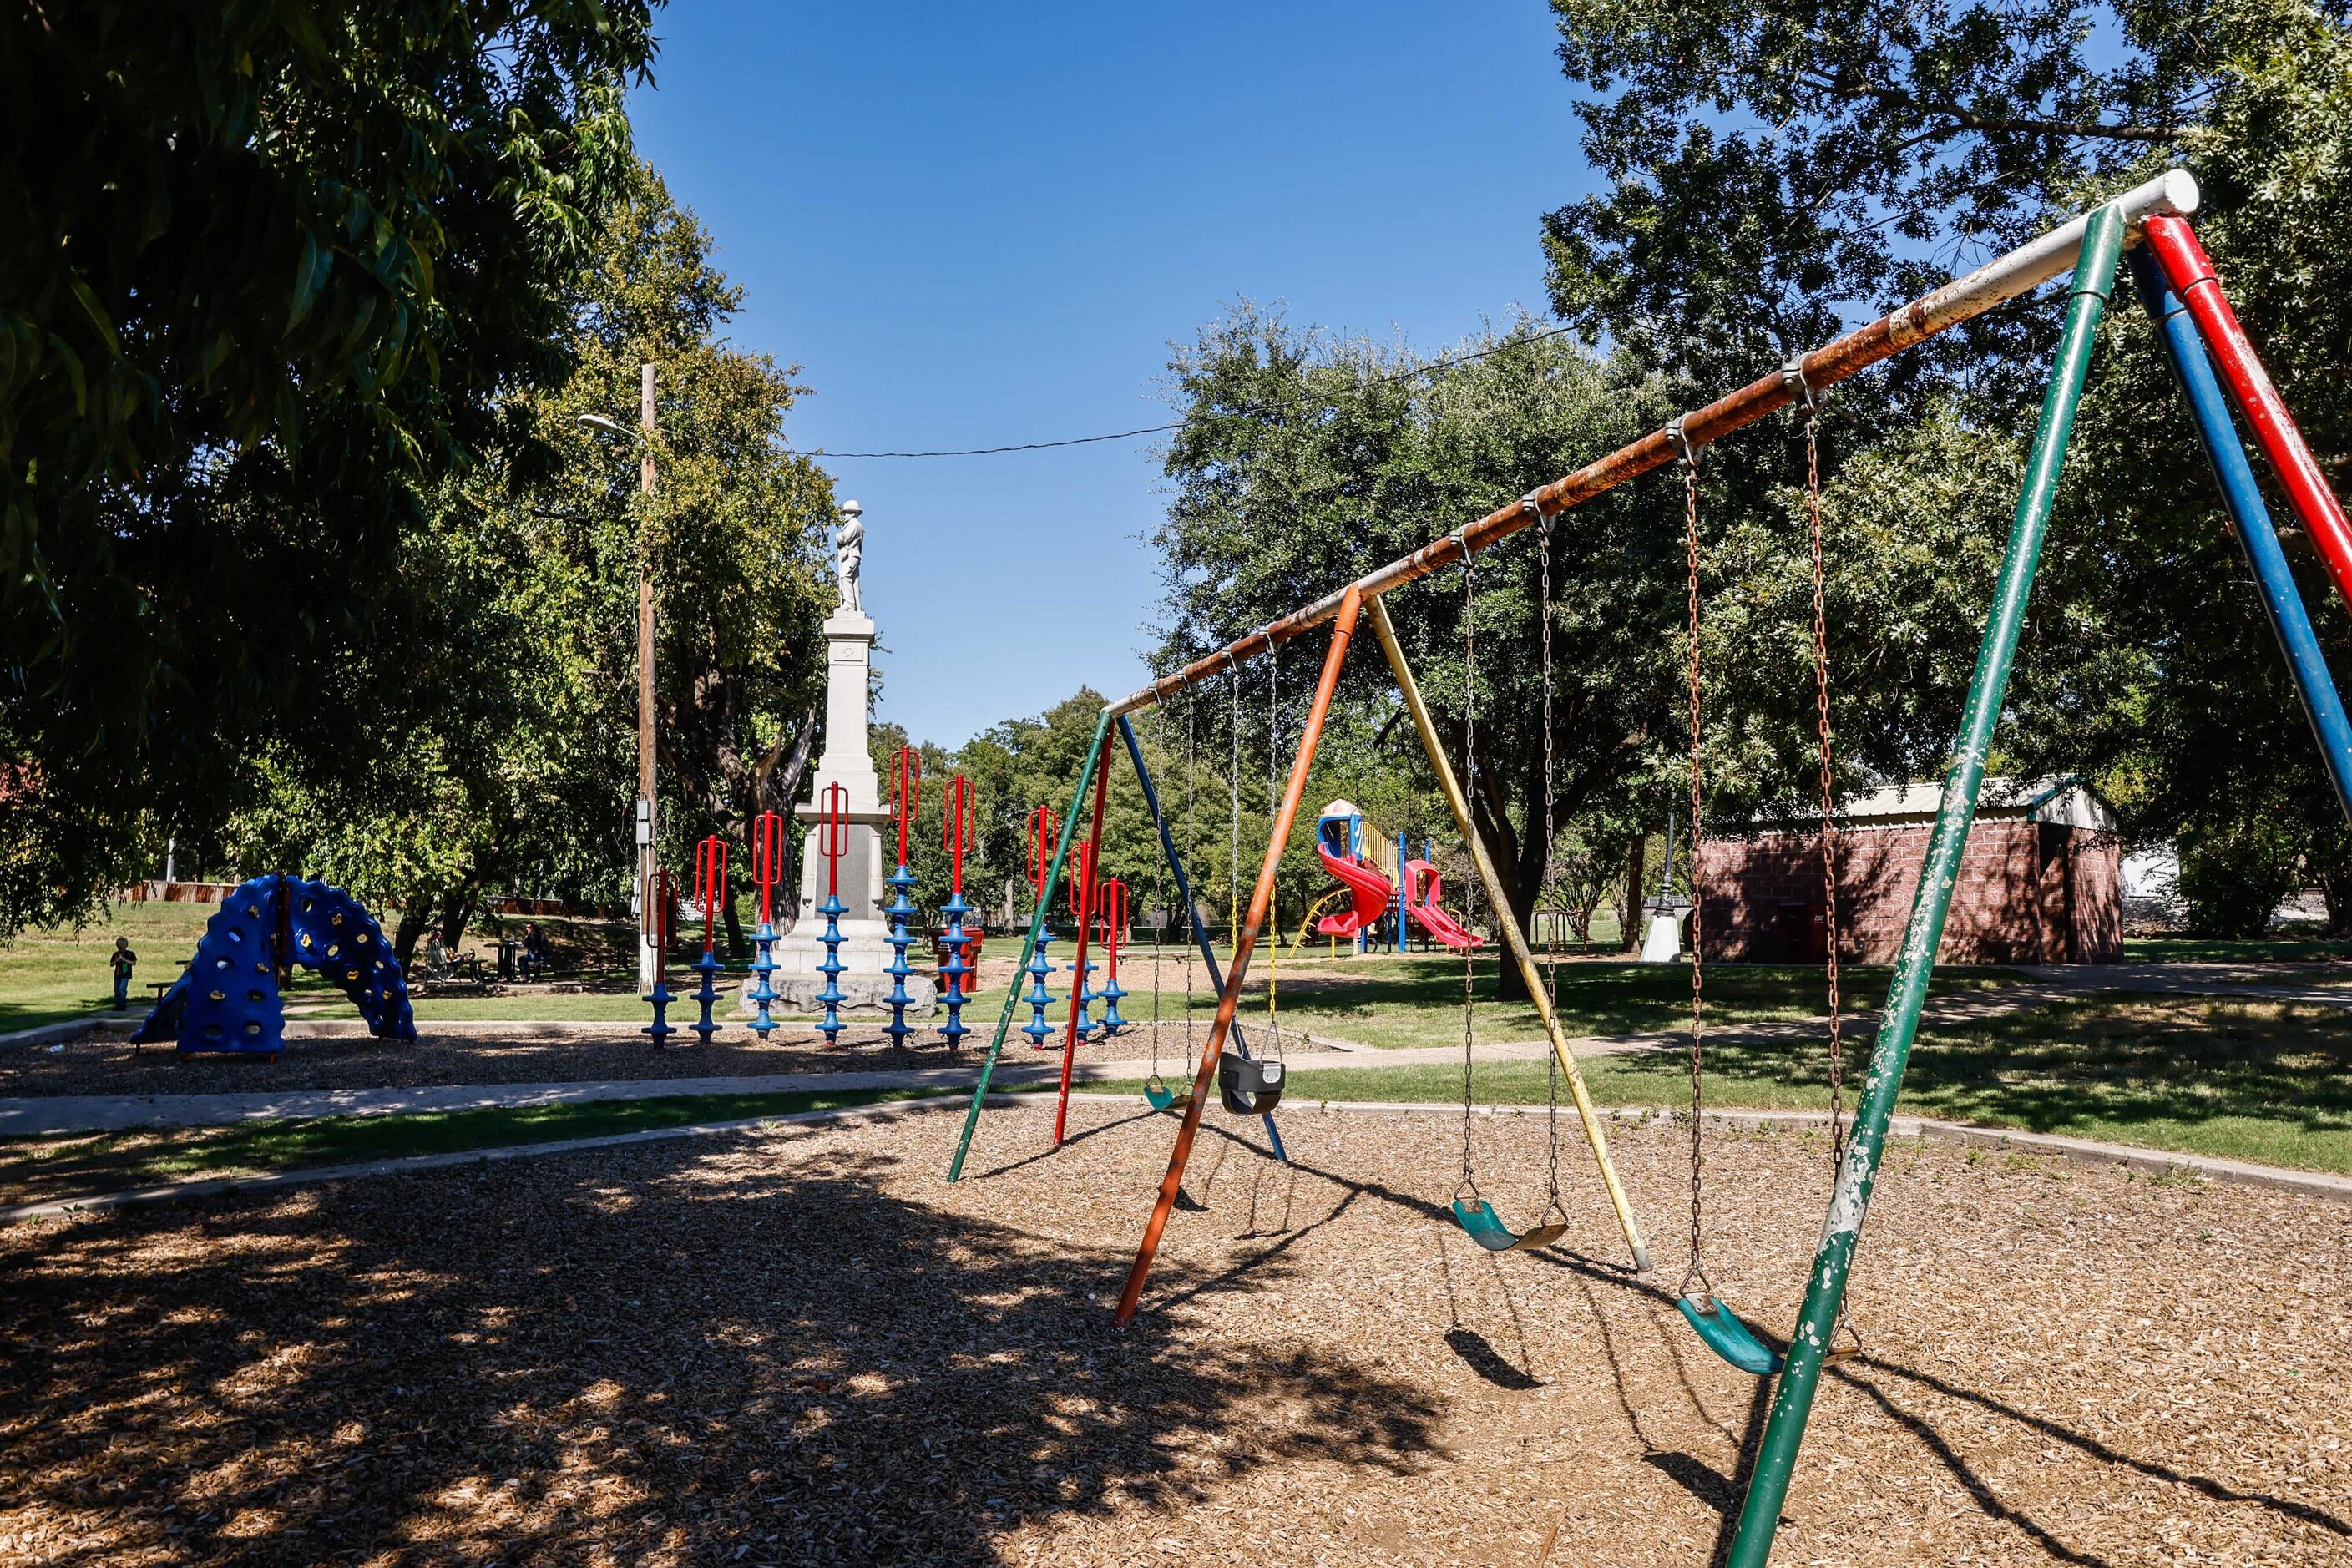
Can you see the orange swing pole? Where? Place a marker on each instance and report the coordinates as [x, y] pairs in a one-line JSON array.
[[1343, 626]]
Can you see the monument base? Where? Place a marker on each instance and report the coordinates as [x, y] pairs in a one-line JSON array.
[[865, 953]]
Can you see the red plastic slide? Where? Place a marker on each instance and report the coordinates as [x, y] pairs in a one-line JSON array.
[[1424, 910], [1373, 894]]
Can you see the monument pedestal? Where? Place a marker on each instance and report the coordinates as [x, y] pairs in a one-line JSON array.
[[848, 762]]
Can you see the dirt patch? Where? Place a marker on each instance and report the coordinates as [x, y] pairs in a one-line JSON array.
[[802, 1346]]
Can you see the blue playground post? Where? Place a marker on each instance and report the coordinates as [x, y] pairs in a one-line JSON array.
[[953, 811], [767, 869], [1043, 828], [661, 919], [832, 840], [907, 786], [2184, 349]]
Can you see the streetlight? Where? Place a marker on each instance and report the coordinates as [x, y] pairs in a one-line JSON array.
[[648, 922]]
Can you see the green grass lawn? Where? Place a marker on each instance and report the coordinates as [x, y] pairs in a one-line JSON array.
[[1418, 1001], [34, 1170], [2246, 1080], [49, 976]]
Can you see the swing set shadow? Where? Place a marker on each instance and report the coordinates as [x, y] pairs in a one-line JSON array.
[[1710, 1485]]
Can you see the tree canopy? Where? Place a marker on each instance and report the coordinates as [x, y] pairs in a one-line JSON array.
[[269, 273]]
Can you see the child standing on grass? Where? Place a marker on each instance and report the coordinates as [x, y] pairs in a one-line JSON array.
[[123, 962]]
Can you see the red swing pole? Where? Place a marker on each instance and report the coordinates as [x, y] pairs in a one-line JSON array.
[[1082, 894], [2191, 272]]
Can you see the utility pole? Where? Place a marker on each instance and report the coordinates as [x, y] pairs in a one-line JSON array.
[[648, 918]]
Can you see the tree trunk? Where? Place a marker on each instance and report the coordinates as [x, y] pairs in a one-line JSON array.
[[1637, 873], [457, 910], [415, 916], [736, 946]]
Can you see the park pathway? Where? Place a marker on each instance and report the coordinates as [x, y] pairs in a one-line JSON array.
[[29, 1116]]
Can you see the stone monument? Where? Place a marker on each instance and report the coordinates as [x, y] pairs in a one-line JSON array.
[[848, 760]]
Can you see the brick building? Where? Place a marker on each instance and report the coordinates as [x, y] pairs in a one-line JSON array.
[[2041, 881]]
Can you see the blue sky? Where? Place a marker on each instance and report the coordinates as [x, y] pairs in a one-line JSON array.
[[974, 225]]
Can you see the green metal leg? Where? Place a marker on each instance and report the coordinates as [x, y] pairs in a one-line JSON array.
[[1029, 944], [1776, 1458]]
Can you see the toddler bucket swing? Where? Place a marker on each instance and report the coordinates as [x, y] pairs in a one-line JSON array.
[[1248, 1085]]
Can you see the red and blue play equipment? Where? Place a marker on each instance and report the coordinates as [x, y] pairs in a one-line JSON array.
[[661, 921], [1043, 826], [906, 800], [1114, 913], [1339, 845], [833, 843], [767, 871], [229, 1000], [953, 811], [709, 889]]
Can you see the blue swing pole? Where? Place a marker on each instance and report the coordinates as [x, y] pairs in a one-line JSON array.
[[1191, 912], [2250, 520]]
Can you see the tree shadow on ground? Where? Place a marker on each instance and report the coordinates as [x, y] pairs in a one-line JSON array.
[[684, 1353]]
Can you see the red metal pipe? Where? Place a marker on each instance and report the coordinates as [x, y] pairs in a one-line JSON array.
[[709, 881], [1343, 627], [1082, 897], [767, 858], [906, 793], [2191, 272], [833, 836], [953, 811]]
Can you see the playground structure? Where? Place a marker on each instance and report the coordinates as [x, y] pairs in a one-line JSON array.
[[833, 842], [1380, 879], [2178, 286], [953, 815], [229, 998], [906, 797], [660, 897], [767, 871], [710, 892]]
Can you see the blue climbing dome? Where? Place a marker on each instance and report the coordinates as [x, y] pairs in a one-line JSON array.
[[228, 1001]]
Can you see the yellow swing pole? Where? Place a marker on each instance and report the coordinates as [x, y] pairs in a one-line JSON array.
[[1512, 937]]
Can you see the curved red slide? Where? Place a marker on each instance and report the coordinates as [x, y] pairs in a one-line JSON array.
[[1373, 893], [1426, 914]]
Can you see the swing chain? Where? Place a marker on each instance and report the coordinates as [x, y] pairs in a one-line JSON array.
[[1192, 858], [1273, 810], [1543, 886], [1167, 894], [1470, 785], [1795, 369], [1689, 456]]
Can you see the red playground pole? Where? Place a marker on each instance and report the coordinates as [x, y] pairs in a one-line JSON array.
[[2191, 272], [767, 861], [1082, 894], [956, 966], [831, 841]]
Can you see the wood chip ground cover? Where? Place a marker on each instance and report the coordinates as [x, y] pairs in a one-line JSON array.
[[802, 1346]]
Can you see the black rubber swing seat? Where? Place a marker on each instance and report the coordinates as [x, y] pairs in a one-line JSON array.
[[1248, 1085], [1157, 1094], [1484, 1225]]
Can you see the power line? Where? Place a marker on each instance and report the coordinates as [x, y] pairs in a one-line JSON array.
[[1432, 367]]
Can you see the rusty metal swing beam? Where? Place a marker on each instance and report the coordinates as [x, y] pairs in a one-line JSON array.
[[1993, 284]]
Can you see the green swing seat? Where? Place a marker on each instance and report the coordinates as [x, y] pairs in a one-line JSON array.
[[1726, 1336], [1157, 1094], [1484, 1225]]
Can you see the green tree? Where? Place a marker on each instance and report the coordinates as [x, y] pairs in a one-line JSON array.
[[515, 761], [268, 273]]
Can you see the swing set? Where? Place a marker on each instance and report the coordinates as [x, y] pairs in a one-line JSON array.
[[2197, 333]]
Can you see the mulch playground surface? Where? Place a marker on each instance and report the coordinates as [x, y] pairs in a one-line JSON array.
[[799, 1345]]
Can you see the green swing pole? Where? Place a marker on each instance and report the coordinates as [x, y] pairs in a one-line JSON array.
[[1029, 944], [1792, 1402]]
